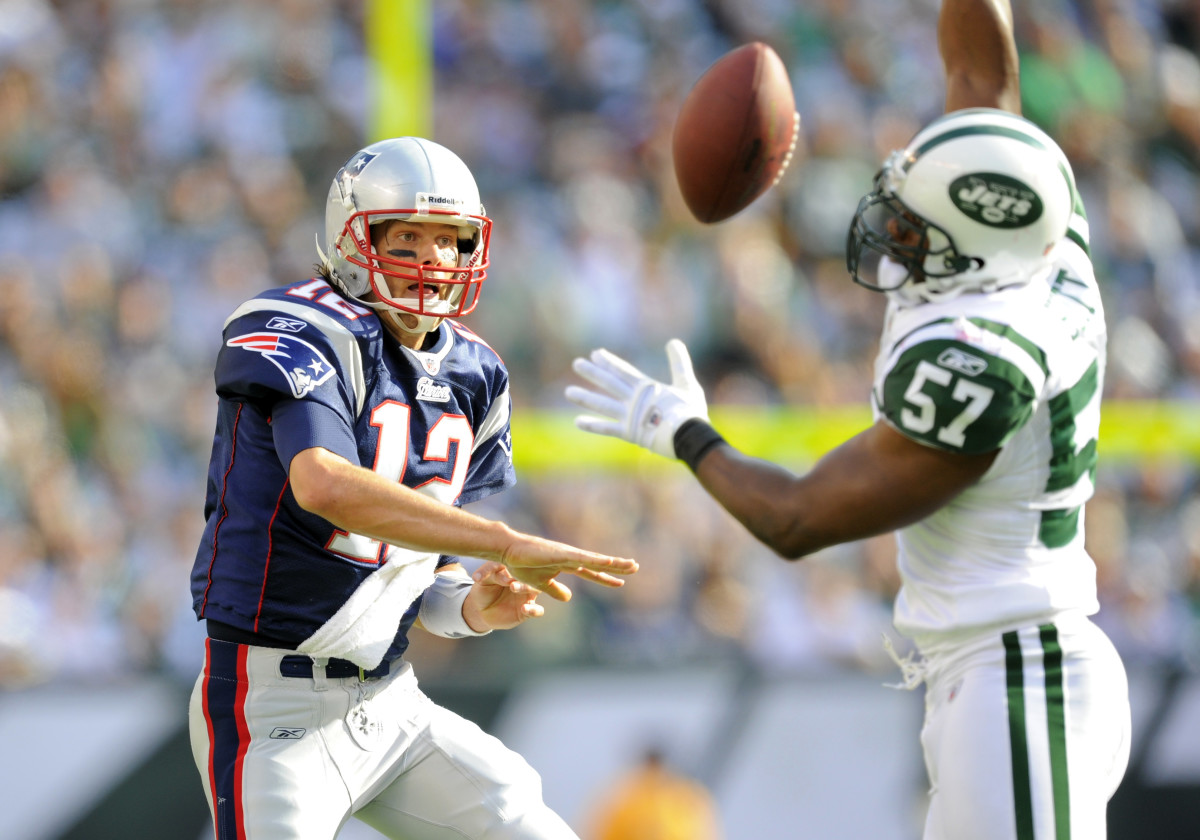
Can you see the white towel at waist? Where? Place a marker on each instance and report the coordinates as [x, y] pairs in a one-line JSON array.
[[364, 627]]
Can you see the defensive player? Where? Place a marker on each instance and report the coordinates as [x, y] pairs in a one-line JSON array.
[[987, 403], [355, 415]]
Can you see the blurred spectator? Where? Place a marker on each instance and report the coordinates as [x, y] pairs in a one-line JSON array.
[[654, 802], [159, 163]]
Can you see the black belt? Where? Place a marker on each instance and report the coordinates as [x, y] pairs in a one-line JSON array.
[[294, 665], [297, 665]]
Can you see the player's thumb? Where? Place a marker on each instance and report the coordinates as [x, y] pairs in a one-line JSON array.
[[682, 375]]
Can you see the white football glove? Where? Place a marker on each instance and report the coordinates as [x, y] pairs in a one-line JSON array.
[[635, 407]]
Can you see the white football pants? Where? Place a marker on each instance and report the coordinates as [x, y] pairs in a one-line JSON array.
[[1026, 735], [295, 757]]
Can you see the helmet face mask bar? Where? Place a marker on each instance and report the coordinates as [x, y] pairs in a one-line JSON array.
[[418, 181], [882, 229], [441, 291], [978, 201]]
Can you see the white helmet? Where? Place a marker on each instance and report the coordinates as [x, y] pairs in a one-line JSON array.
[[420, 181], [976, 202]]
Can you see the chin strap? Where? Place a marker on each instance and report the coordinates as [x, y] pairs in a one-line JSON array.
[[425, 323], [320, 250]]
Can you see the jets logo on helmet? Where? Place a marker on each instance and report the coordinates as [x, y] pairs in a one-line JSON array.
[[995, 199], [977, 201]]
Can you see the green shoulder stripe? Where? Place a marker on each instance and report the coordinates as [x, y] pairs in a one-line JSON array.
[[1006, 332], [1036, 354], [954, 396]]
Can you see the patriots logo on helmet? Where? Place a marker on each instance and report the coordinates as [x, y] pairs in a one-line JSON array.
[[302, 365], [359, 162]]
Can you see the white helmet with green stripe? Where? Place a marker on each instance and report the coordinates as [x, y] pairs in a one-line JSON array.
[[977, 201]]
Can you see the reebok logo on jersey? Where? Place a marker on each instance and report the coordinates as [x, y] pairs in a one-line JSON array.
[[287, 733], [962, 361], [286, 324], [301, 364], [996, 200], [430, 391]]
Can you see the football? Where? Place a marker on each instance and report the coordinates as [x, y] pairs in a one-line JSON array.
[[735, 133]]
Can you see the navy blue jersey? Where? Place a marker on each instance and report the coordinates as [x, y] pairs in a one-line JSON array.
[[302, 366]]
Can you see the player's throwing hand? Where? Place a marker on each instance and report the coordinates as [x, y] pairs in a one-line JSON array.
[[535, 561]]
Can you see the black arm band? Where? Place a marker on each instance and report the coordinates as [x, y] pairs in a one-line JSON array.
[[693, 440]]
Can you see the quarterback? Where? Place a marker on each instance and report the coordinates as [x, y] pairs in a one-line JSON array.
[[981, 458], [355, 415]]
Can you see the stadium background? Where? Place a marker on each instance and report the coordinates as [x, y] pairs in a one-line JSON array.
[[161, 160]]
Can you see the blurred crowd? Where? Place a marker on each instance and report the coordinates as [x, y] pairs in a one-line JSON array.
[[162, 160]]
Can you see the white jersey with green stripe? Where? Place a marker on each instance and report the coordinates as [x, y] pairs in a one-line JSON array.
[[1020, 370]]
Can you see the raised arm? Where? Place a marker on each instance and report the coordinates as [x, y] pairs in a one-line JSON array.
[[975, 38]]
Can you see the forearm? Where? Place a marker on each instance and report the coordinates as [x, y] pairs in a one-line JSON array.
[[794, 515], [360, 501], [874, 483], [979, 54]]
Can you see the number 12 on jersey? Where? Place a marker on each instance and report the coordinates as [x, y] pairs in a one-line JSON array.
[[392, 420]]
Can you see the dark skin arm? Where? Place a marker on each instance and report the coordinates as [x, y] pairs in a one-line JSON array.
[[979, 54], [879, 480], [874, 483]]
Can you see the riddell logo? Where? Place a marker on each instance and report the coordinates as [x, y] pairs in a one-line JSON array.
[[996, 200], [443, 202]]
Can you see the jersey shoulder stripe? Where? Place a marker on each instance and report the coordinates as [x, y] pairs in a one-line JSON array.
[[982, 335], [1078, 231], [295, 319], [496, 421]]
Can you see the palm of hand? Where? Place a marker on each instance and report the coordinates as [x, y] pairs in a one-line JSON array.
[[500, 598]]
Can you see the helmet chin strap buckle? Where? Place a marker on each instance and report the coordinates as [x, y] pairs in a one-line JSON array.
[[959, 263]]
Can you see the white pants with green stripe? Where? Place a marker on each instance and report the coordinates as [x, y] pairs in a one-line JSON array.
[[1026, 734]]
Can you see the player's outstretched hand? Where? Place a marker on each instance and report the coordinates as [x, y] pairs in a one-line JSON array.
[[634, 407], [535, 561], [498, 601]]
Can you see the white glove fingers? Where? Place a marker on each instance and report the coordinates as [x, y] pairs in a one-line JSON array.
[[602, 378], [599, 427], [617, 366], [682, 373], [598, 403]]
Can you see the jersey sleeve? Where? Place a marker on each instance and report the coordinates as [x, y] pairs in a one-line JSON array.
[[954, 396], [491, 459], [297, 425], [293, 374]]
